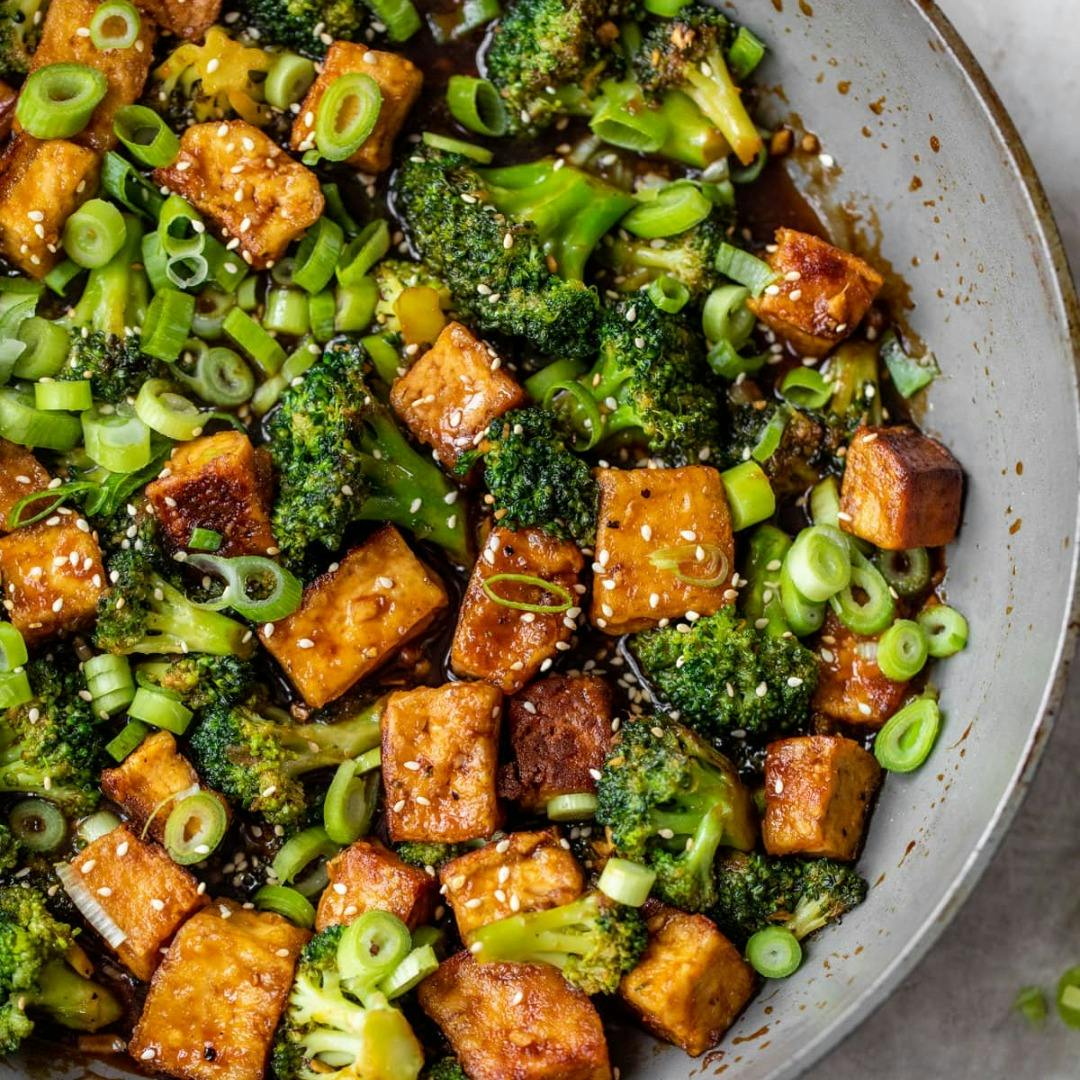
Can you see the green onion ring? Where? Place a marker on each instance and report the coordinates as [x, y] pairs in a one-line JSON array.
[[128, 740], [58, 100], [477, 105], [13, 652], [167, 324], [577, 806], [908, 572], [195, 827], [478, 154], [289, 80], [94, 233], [372, 946], [147, 137], [667, 211], [103, 37], [240, 573], [38, 825], [592, 421], [908, 736], [902, 650], [318, 254], [286, 902], [163, 410], [806, 388], [14, 689], [347, 114], [668, 294], [872, 615], [946, 630], [299, 851], [712, 559], [774, 953], [565, 604], [819, 562], [363, 252], [160, 709], [23, 423], [350, 803], [626, 882], [115, 438]]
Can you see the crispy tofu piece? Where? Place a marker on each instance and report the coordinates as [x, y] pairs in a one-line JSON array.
[[8, 97], [851, 687], [494, 642], [216, 998], [644, 511], [21, 474], [399, 80], [49, 180], [188, 19], [148, 777], [64, 41], [559, 730], [218, 482], [690, 983], [534, 873], [265, 205], [822, 293], [52, 577], [451, 394], [901, 489], [367, 876], [818, 790], [142, 890], [440, 749], [515, 1021], [352, 618]]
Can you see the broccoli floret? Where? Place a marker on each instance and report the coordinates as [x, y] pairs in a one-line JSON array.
[[143, 613], [671, 801], [534, 478], [726, 675], [497, 269], [392, 278], [34, 977], [308, 25], [49, 746], [9, 849], [341, 457], [425, 853], [689, 257], [201, 680], [448, 1068], [592, 941], [258, 756], [20, 30], [333, 1028]]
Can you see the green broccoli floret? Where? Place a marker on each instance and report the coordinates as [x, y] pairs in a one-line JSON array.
[[341, 457], [20, 30], [448, 1068], [332, 1028], [49, 746], [689, 257], [143, 613], [309, 26], [534, 478], [497, 269], [592, 941], [255, 754], [9, 849], [671, 801], [425, 853], [34, 977], [201, 679], [725, 675]]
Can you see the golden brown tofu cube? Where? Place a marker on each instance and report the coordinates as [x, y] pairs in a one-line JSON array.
[[142, 890], [451, 394], [439, 754], [218, 482], [690, 983], [265, 204], [821, 295], [525, 871], [216, 998], [21, 474], [851, 687], [184, 18], [901, 489], [559, 731], [352, 618], [503, 645], [52, 577], [41, 185], [818, 790], [644, 513], [515, 1021], [8, 97], [399, 80], [64, 40], [367, 876]]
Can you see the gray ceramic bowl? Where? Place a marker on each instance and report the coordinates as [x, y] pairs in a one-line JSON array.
[[974, 241]]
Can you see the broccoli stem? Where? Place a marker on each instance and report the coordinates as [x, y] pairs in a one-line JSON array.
[[71, 1000], [17, 777], [691, 139], [541, 935], [710, 85], [333, 743], [810, 915], [179, 626]]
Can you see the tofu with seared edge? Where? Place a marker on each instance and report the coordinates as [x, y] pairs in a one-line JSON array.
[[21, 474], [188, 19]]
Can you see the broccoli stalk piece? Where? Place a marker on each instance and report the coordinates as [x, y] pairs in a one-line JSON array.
[[689, 257], [34, 977], [671, 801], [341, 457], [201, 680], [20, 30], [308, 25], [143, 613], [591, 940]]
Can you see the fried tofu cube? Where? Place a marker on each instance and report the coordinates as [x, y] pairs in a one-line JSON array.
[[352, 618], [41, 185], [188, 19], [8, 97], [367, 876], [493, 642], [399, 81], [515, 1021], [451, 394], [690, 984], [440, 750], [247, 186], [52, 577], [216, 998], [559, 731], [818, 790], [21, 474], [218, 482], [820, 296], [901, 489], [682, 513], [64, 40], [142, 890]]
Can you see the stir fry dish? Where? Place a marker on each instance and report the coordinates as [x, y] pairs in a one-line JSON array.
[[465, 575]]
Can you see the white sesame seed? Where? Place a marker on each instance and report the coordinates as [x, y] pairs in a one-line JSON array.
[[306, 643]]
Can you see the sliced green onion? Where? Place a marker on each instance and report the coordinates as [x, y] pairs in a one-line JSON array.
[[155, 262], [13, 652], [477, 105], [704, 566], [110, 682], [908, 736], [180, 228], [584, 411], [410, 973], [167, 324], [1068, 997], [580, 806], [287, 903], [120, 181], [748, 174], [226, 270], [96, 826], [901, 650], [106, 34], [668, 294], [38, 825], [57, 101], [908, 375], [558, 371], [626, 882], [147, 137], [94, 233], [623, 118], [354, 306], [322, 308], [825, 503], [803, 616], [259, 346], [725, 316], [350, 803], [160, 710], [195, 827], [667, 211], [299, 851], [819, 562], [666, 9], [211, 307], [867, 616], [564, 603], [132, 734], [363, 252], [749, 494], [286, 312], [347, 114], [760, 600], [337, 210], [774, 953], [47, 344], [20, 286], [14, 689], [186, 271], [908, 572], [221, 377], [479, 154], [428, 935], [62, 275], [771, 436], [372, 946], [744, 54], [298, 361], [116, 439], [288, 80], [21, 422], [946, 630], [318, 254], [745, 269], [247, 298], [66, 396], [806, 388], [282, 591], [400, 17]]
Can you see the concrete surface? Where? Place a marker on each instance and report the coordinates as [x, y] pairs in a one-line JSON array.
[[953, 1016]]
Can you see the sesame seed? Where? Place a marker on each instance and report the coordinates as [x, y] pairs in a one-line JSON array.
[[518, 998], [306, 643], [423, 800], [157, 905], [104, 891], [339, 888], [474, 903], [665, 834], [399, 806]]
